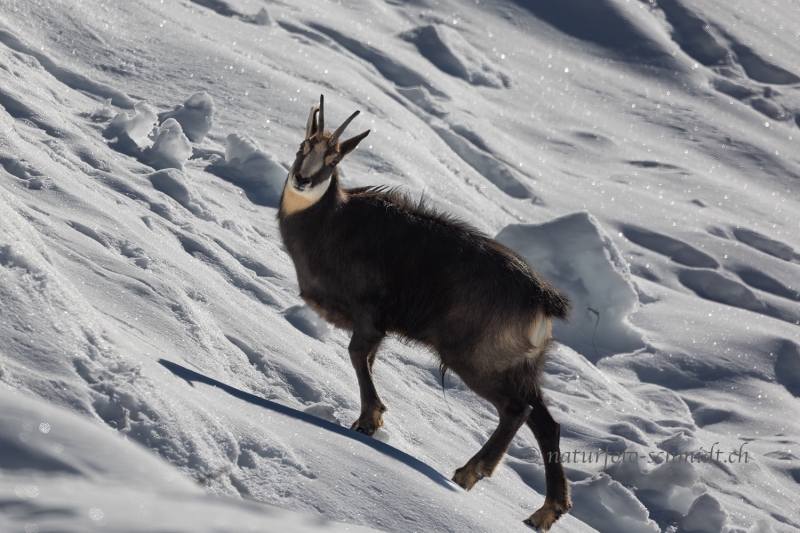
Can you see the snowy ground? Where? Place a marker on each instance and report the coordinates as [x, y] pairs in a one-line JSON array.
[[640, 154]]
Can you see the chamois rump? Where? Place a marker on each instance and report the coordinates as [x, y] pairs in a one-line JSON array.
[[371, 261]]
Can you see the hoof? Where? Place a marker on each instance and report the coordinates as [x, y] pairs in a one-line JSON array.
[[528, 523], [543, 519], [368, 424], [466, 477], [369, 431]]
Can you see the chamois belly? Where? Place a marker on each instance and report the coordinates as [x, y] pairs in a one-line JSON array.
[[472, 331], [473, 336], [336, 313]]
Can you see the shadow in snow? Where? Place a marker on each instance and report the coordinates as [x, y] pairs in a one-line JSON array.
[[601, 22], [765, 244], [191, 376], [675, 249], [787, 368]]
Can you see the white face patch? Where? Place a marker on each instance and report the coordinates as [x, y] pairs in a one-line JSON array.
[[313, 162]]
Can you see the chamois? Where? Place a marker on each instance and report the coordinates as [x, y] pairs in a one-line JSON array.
[[371, 261]]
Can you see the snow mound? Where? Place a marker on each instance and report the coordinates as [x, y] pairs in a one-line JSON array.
[[609, 507], [54, 477], [133, 131], [171, 148], [262, 18], [576, 255], [163, 146], [705, 516], [323, 411], [681, 442], [306, 320], [446, 48], [195, 115], [668, 490], [248, 167], [103, 112]]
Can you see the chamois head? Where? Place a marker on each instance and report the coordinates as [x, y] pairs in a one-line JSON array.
[[316, 160]]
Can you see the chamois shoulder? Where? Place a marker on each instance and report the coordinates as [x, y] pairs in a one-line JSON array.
[[418, 209]]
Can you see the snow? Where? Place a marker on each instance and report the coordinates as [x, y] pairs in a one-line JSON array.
[[247, 166], [306, 320], [576, 255], [161, 145], [641, 155], [705, 515], [137, 127], [171, 148], [451, 53], [87, 476], [195, 115]]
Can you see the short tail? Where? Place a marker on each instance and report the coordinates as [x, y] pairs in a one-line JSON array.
[[556, 304]]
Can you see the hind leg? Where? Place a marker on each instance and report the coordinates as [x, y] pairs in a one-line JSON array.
[[513, 413], [548, 433], [363, 348]]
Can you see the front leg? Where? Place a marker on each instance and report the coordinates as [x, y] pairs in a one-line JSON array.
[[363, 347]]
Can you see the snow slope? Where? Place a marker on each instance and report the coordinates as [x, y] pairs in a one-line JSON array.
[[641, 154], [72, 470]]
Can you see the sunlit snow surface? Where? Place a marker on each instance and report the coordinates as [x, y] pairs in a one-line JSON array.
[[641, 154]]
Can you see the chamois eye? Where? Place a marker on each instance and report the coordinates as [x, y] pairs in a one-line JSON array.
[[332, 164]]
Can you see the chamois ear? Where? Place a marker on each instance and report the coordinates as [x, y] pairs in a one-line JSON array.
[[345, 147], [311, 125]]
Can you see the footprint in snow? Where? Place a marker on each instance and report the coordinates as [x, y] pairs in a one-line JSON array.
[[23, 170], [306, 320], [766, 244], [675, 249]]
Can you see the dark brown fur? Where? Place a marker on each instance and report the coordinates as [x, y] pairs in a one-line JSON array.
[[373, 262]]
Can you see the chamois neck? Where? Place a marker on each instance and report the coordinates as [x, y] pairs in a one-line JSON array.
[[294, 201]]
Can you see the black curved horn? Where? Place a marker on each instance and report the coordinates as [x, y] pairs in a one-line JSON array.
[[321, 125], [338, 132]]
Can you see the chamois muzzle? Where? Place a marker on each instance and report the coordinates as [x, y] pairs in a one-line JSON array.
[[300, 182]]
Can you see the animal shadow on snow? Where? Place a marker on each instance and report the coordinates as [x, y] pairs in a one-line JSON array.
[[194, 377]]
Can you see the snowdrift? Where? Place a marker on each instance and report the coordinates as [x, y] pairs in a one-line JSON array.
[[640, 155], [576, 255]]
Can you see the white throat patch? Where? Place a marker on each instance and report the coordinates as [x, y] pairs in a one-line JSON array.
[[295, 200]]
